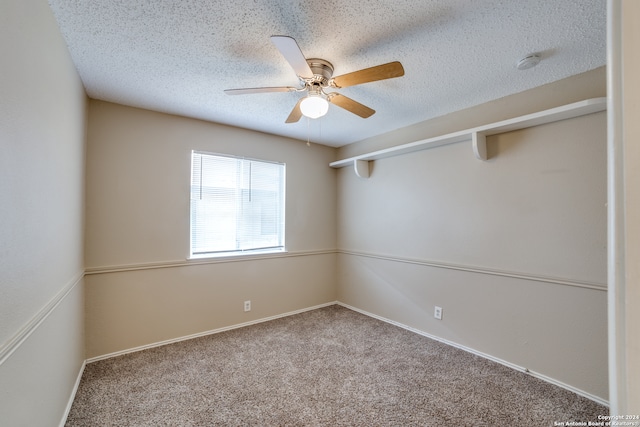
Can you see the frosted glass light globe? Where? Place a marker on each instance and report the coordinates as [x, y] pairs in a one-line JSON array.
[[314, 106]]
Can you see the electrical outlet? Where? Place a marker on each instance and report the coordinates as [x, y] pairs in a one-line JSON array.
[[437, 313], [247, 306]]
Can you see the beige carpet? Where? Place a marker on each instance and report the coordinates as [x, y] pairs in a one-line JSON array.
[[326, 367]]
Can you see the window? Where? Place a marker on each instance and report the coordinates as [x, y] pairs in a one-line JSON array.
[[237, 205]]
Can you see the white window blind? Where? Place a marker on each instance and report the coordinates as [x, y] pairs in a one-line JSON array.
[[237, 205]]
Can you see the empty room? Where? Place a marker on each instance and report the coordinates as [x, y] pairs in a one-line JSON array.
[[275, 213]]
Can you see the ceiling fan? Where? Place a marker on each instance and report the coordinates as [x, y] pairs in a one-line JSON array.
[[316, 75]]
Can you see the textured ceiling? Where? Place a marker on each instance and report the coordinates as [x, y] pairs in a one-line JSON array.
[[177, 56]]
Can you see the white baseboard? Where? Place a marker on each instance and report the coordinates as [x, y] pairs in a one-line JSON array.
[[205, 333], [72, 397], [484, 355], [366, 313]]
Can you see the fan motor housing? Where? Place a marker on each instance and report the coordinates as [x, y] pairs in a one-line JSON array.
[[322, 70]]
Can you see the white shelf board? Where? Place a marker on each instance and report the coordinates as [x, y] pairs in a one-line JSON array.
[[568, 111]]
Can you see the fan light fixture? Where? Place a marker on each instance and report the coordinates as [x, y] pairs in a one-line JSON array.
[[315, 75], [314, 106]]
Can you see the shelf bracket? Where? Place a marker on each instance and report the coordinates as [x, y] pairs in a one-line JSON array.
[[362, 168], [479, 144]]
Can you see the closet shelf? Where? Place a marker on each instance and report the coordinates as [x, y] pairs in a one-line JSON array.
[[477, 135]]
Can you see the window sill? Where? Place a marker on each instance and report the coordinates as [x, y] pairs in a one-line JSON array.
[[236, 255]]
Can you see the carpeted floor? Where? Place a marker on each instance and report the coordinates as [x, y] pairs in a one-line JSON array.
[[326, 367]]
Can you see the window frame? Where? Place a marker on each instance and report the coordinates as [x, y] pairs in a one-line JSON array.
[[247, 251]]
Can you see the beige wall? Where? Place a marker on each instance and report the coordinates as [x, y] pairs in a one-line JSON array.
[[138, 177], [513, 249], [42, 118]]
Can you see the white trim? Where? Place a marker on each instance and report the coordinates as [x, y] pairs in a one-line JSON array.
[[230, 254], [481, 270], [16, 341], [205, 333], [427, 263], [190, 262], [72, 397], [484, 355], [616, 213]]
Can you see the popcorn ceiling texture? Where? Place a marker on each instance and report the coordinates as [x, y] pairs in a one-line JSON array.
[[326, 367], [177, 56]]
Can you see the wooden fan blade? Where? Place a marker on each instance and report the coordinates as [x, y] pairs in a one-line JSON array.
[[259, 90], [351, 105], [296, 113], [379, 72], [289, 48]]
